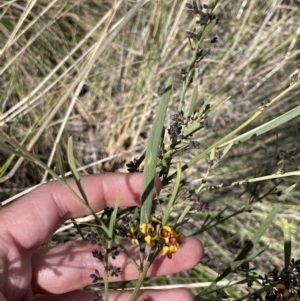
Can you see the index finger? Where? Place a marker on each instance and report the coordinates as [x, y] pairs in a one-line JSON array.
[[34, 218]]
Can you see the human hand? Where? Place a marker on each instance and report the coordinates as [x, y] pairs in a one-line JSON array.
[[58, 273]]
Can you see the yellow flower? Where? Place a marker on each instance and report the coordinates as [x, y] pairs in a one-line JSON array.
[[294, 298], [171, 239], [169, 250], [155, 219], [167, 239], [146, 228], [148, 231], [282, 289], [132, 235], [169, 235], [165, 231]]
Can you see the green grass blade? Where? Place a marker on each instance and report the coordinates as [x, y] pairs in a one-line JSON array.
[[216, 107], [287, 243], [192, 106], [183, 214], [226, 149], [113, 218], [8, 132], [71, 160], [74, 171], [256, 237], [257, 131], [19, 150], [8, 149], [6, 164], [59, 161], [194, 128], [11, 127], [173, 196], [255, 254], [267, 126], [208, 28], [152, 152], [77, 227]]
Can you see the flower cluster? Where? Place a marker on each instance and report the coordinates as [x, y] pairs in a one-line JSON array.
[[97, 297], [281, 292], [204, 17], [103, 254], [192, 145], [176, 126], [285, 285], [165, 238], [96, 277], [171, 240], [194, 199], [133, 166]]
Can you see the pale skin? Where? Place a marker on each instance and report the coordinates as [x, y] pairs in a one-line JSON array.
[[58, 273]]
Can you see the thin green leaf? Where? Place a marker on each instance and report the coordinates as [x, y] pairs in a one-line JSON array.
[[77, 228], [256, 237], [127, 252], [173, 196], [21, 151], [183, 214], [213, 109], [253, 180], [192, 106], [74, 171], [71, 160], [136, 214], [207, 30], [113, 218], [7, 163], [11, 127], [192, 129], [255, 132], [266, 127], [151, 154], [11, 150], [59, 161], [212, 154], [255, 254], [204, 33], [226, 149]]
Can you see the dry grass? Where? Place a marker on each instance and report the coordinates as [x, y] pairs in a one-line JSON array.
[[62, 74]]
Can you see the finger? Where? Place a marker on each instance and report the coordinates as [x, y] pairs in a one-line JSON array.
[[147, 295], [42, 211], [68, 267]]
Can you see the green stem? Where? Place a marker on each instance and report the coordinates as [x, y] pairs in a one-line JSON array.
[[153, 254]]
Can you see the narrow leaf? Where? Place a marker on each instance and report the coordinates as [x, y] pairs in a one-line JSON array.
[[192, 106], [11, 127], [113, 218], [266, 127], [59, 161], [152, 152], [183, 214], [256, 237], [173, 196], [74, 171]]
